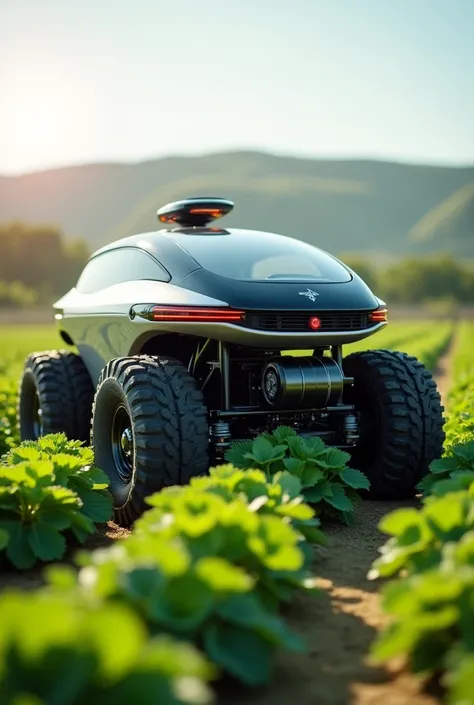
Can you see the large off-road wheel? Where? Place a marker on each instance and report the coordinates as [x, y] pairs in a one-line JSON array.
[[55, 395], [149, 430], [401, 420]]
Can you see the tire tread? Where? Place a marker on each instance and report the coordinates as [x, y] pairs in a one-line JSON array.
[[170, 425], [412, 414]]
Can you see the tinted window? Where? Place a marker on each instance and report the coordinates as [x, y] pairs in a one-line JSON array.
[[118, 266], [257, 256]]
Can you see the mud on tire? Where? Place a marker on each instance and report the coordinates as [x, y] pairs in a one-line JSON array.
[[55, 395], [149, 430], [401, 420]]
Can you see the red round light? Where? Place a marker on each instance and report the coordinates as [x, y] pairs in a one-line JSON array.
[[314, 323]]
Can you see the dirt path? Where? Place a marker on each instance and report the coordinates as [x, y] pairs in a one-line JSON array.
[[338, 626], [444, 368]]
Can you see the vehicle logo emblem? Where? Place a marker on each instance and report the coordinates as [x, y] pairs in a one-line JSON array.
[[309, 293]]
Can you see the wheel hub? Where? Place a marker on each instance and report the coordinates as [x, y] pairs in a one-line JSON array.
[[122, 444], [37, 417], [127, 442]]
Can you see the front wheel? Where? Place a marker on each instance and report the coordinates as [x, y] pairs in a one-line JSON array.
[[149, 430], [401, 420]]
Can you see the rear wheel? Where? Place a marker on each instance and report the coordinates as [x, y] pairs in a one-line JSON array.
[[55, 396], [149, 430], [401, 420]]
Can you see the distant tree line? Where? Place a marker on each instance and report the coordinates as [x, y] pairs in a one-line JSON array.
[[415, 280], [38, 263]]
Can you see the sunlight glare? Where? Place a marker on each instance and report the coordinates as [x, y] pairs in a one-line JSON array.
[[42, 115]]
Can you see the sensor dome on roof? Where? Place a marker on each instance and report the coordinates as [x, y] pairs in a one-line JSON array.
[[195, 212]]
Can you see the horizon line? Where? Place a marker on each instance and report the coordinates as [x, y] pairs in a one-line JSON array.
[[401, 161]]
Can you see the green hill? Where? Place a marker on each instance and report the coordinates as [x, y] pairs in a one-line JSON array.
[[354, 205]]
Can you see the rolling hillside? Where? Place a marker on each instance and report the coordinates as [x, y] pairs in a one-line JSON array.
[[339, 205]]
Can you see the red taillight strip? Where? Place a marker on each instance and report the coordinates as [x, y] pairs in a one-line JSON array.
[[193, 313], [380, 315]]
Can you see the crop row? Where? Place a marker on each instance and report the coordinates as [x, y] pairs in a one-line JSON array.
[[430, 555], [193, 593], [426, 341], [460, 406], [400, 335]]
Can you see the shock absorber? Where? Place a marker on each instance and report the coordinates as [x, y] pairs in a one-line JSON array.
[[351, 429], [221, 438]]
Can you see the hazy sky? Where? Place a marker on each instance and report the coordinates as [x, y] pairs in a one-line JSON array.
[[90, 80]]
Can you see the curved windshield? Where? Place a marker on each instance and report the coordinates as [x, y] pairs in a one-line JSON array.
[[255, 256]]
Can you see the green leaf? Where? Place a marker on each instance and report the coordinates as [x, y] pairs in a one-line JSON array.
[[262, 451], [46, 542], [398, 521], [296, 510], [222, 576], [98, 477], [276, 545], [355, 479], [246, 655], [313, 534], [247, 610], [295, 466], [460, 681], [283, 433], [323, 490], [184, 604], [97, 505], [4, 539], [297, 447], [18, 550], [444, 465], [81, 526], [290, 484], [464, 451], [311, 475], [237, 452], [313, 448], [339, 499], [142, 582], [335, 458], [457, 482], [445, 513]]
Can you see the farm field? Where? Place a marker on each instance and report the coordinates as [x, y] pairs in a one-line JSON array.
[[340, 622]]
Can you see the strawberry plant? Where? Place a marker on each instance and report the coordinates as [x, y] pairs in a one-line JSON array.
[[52, 653], [203, 598], [8, 430], [323, 473], [73, 468], [459, 426], [279, 497], [264, 545], [419, 535], [44, 496], [432, 616], [452, 472], [34, 513], [52, 443]]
